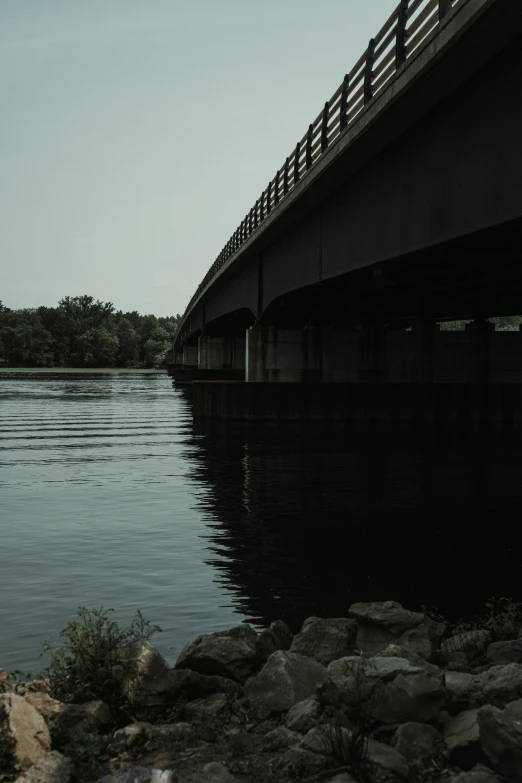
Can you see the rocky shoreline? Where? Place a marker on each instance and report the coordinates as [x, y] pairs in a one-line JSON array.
[[381, 696]]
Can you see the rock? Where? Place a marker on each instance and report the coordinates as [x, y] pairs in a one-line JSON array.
[[325, 640], [92, 716], [381, 624], [142, 731], [229, 654], [280, 738], [303, 715], [462, 740], [187, 684], [26, 727], [51, 768], [325, 739], [285, 679], [301, 762], [217, 773], [416, 741], [38, 685], [44, 703], [515, 708], [149, 671], [479, 774], [505, 652], [387, 759], [342, 777], [396, 651], [206, 707], [498, 686], [277, 637], [400, 691], [136, 774], [465, 640], [458, 685], [501, 740]]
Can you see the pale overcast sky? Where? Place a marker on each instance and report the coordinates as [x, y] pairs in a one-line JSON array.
[[136, 134]]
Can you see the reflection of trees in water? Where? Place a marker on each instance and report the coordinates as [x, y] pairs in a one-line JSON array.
[[306, 521]]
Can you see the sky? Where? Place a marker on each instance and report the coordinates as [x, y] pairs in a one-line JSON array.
[[136, 134]]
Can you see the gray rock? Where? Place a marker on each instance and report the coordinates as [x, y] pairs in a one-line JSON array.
[[51, 768], [416, 740], [464, 640], [280, 738], [136, 774], [301, 762], [396, 651], [325, 640], [217, 773], [44, 703], [206, 707], [342, 777], [26, 727], [384, 757], [277, 637], [142, 731], [458, 687], [325, 739], [480, 774], [505, 652], [499, 685], [515, 708], [229, 654], [285, 679], [188, 684], [501, 740], [303, 715], [381, 624], [462, 740], [401, 692]]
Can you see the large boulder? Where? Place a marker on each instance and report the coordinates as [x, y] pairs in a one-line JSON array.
[[285, 679], [187, 684], [501, 740], [479, 774], [137, 774], [51, 768], [325, 640], [462, 739], [25, 727], [415, 741], [383, 623], [229, 654], [505, 652], [93, 716], [277, 637], [458, 687], [396, 690], [499, 685], [304, 715]]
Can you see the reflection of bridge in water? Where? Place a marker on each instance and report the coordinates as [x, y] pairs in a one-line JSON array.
[[304, 519]]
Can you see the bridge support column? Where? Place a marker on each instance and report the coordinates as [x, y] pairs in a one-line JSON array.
[[221, 353], [283, 355], [190, 355]]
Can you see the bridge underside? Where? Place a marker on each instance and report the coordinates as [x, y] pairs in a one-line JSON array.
[[424, 224]]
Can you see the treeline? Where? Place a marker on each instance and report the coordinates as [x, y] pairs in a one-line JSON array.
[[83, 332]]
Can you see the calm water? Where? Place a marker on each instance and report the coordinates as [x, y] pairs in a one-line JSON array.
[[110, 495]]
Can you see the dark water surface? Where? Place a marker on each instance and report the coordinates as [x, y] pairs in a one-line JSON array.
[[110, 495]]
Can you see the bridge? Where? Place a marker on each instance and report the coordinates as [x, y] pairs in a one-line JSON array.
[[400, 208]]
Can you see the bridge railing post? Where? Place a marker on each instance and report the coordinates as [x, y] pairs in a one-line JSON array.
[[343, 105], [276, 188], [309, 146], [368, 71], [444, 8], [285, 178], [324, 126], [296, 162], [268, 199], [400, 49]]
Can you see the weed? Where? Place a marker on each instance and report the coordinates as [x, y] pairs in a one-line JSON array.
[[94, 655], [501, 620], [15, 682], [9, 765]]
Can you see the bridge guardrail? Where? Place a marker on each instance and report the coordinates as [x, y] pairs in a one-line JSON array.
[[399, 38]]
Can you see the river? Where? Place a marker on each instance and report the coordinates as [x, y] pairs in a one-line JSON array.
[[111, 496]]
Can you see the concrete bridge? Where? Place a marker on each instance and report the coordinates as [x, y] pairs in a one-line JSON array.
[[400, 207]]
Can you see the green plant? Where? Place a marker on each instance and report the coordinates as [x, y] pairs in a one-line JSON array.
[[9, 765], [87, 751], [15, 682], [95, 658], [348, 715]]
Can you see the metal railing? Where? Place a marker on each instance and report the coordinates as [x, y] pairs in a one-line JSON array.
[[406, 29]]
